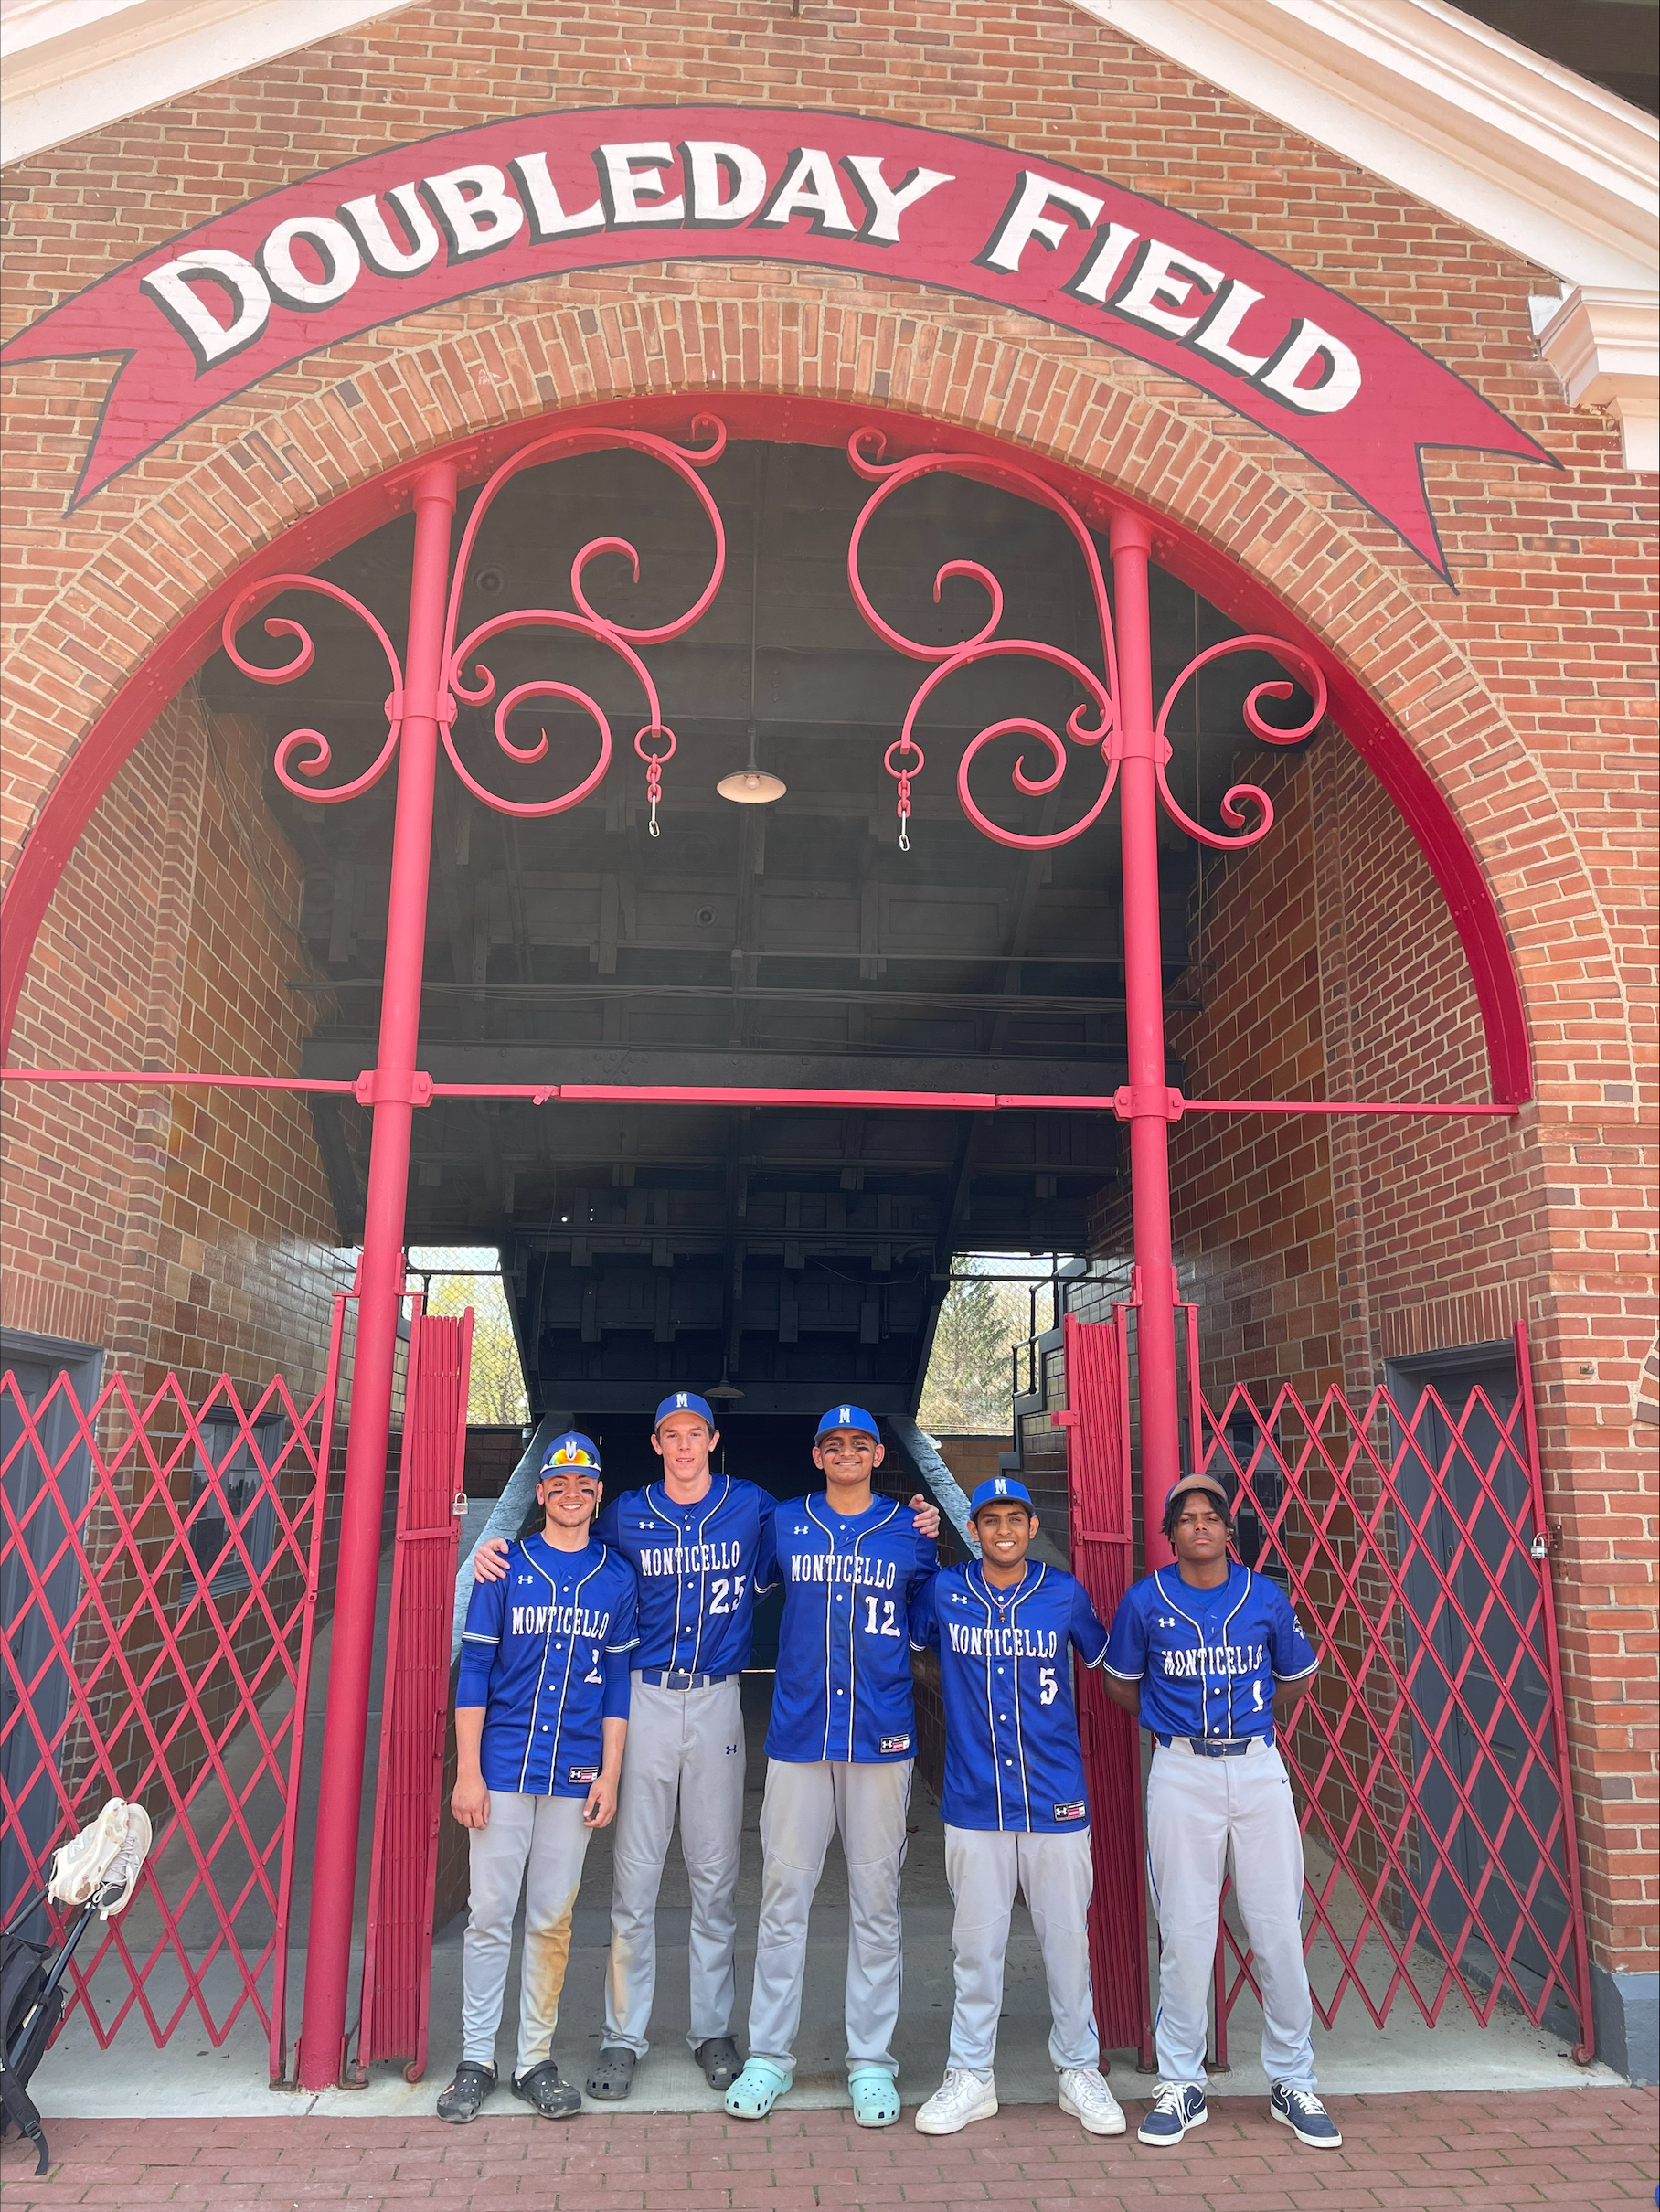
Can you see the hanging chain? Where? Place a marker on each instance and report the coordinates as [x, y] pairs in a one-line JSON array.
[[903, 772], [653, 769]]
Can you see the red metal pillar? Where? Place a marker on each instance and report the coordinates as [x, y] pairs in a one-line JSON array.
[[380, 1291], [1151, 1110]]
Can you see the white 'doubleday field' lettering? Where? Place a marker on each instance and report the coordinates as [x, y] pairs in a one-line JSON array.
[[221, 301], [197, 319]]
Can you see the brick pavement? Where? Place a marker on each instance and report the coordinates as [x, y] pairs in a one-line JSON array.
[[1592, 2149]]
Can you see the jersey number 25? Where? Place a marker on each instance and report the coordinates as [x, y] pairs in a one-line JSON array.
[[721, 1591]]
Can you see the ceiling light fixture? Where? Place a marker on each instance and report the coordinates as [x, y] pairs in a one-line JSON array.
[[751, 785]]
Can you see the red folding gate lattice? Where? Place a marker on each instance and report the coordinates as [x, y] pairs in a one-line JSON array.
[[1429, 1756], [397, 1945], [159, 1567]]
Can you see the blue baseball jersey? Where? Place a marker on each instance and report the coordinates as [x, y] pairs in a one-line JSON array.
[[1012, 1755], [696, 1567], [544, 1651], [843, 1686], [1208, 1660]]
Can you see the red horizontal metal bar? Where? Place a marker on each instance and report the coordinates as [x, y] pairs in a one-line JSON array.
[[164, 1079], [728, 1094]]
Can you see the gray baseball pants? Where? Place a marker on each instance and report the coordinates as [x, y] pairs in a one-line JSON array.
[[684, 1748], [540, 1842], [803, 1806], [1200, 1811], [1057, 1873]]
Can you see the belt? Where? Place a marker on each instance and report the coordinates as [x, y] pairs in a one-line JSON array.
[[1215, 1747], [661, 1680]]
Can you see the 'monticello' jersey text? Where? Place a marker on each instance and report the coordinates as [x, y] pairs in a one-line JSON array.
[[544, 1651], [843, 1686], [1208, 1660], [1012, 1754], [697, 1569]]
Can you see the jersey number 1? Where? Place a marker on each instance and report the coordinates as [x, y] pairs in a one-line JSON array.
[[888, 1625]]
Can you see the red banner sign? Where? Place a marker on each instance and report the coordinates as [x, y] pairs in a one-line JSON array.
[[200, 319]]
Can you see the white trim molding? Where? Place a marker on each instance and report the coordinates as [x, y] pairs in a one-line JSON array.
[[68, 66], [1518, 148], [1605, 346]]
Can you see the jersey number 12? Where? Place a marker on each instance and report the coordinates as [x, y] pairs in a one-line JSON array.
[[887, 1625]]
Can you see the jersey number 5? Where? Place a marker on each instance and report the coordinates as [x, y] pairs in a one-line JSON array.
[[1048, 1689], [888, 1625], [720, 1591]]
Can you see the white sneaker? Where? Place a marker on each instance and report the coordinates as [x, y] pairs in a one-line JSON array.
[[959, 2099], [1085, 2095]]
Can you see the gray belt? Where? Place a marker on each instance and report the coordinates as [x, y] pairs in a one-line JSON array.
[[659, 1680], [1215, 1747]]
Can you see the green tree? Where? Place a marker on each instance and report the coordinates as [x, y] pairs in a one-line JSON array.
[[495, 1393], [967, 1390]]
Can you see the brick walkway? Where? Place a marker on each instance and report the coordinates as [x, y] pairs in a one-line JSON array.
[[1591, 2149]]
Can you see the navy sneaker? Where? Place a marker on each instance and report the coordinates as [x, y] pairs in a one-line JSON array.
[[1307, 2118], [1180, 2105]]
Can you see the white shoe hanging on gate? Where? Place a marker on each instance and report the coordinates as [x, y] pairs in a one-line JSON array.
[[101, 1865]]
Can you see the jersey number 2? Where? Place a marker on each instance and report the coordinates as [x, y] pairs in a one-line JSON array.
[[888, 1625]]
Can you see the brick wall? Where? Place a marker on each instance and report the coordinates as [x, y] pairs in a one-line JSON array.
[[188, 1231], [1525, 694]]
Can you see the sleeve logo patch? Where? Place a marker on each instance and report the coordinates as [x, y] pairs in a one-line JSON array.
[[894, 1743], [581, 1775], [1076, 1810]]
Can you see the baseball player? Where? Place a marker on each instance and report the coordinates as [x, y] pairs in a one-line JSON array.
[[541, 1714], [694, 1541], [839, 1754], [1013, 1806], [1200, 1652]]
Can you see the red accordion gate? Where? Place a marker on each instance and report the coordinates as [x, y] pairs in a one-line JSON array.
[[159, 1573], [1429, 1754]]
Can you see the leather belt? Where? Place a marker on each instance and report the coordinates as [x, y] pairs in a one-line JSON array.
[[1215, 1747], [660, 1679]]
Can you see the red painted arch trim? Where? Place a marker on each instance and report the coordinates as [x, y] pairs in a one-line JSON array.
[[68, 806]]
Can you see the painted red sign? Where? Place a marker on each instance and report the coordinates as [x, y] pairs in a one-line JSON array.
[[200, 319]]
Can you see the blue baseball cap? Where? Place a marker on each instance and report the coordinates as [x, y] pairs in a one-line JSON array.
[[993, 1492], [848, 1417], [684, 1402], [572, 1449]]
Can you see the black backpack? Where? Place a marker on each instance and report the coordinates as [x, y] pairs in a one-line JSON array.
[[31, 2005]]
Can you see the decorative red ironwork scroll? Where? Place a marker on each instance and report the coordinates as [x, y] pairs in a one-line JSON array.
[[1431, 1753], [159, 1571], [439, 671], [304, 755], [1102, 1523], [1116, 722]]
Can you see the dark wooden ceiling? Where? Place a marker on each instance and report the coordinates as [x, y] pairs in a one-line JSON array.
[[788, 944]]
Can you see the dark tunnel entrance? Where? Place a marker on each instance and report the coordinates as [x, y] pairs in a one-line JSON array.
[[801, 1252]]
